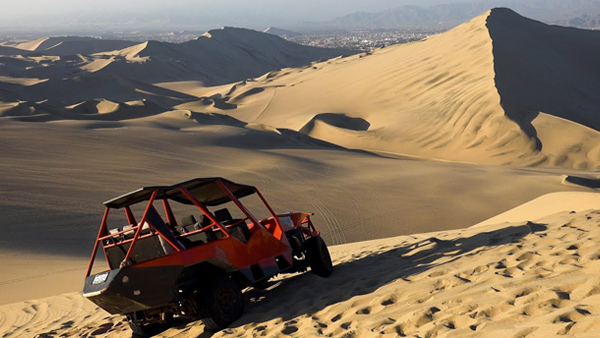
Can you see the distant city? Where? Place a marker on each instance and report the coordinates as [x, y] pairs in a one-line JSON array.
[[364, 39]]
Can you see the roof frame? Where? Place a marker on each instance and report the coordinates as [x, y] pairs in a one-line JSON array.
[[205, 190]]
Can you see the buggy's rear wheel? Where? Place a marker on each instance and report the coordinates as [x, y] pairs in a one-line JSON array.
[[318, 256], [220, 304]]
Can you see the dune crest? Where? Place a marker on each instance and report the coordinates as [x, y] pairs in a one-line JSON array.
[[32, 45]]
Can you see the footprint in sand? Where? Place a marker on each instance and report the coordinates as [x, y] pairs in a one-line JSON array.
[[289, 329], [389, 301], [67, 325], [364, 311], [572, 316], [345, 325]]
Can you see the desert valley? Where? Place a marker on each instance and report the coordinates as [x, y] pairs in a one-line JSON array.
[[454, 178]]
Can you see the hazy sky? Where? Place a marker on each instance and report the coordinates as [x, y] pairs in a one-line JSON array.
[[181, 14]]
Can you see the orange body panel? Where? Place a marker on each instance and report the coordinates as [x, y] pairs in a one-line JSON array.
[[228, 251]]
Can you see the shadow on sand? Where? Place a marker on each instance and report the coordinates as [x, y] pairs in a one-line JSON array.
[[306, 294]]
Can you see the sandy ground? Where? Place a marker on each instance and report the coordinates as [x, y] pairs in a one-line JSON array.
[[533, 278], [420, 141]]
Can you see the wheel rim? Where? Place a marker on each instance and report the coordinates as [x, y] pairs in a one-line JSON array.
[[226, 301]]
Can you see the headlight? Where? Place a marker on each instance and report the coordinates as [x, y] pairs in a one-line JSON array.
[[100, 278]]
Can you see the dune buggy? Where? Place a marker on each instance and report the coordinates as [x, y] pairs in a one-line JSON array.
[[195, 266]]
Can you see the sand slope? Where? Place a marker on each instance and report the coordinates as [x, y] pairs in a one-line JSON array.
[[547, 204], [529, 278]]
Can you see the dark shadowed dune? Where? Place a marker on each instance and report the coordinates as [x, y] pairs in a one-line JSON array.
[[542, 68]]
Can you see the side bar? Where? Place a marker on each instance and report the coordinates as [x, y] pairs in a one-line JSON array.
[[238, 203], [268, 207], [100, 231]]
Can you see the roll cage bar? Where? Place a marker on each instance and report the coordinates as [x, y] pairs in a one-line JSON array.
[[201, 192]]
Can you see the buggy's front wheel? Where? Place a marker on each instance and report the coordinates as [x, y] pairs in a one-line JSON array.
[[318, 256]]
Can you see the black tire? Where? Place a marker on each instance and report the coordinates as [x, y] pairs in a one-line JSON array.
[[318, 256], [220, 303]]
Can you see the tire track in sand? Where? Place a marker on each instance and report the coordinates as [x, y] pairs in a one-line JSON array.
[[336, 230]]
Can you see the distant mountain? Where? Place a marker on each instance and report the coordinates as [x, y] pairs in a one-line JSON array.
[[587, 20], [445, 15], [579, 13]]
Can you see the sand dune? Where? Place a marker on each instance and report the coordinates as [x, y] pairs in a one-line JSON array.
[[76, 69], [113, 111], [97, 109], [564, 85], [218, 57], [468, 94], [32, 45], [533, 278], [434, 98], [476, 93], [547, 204]]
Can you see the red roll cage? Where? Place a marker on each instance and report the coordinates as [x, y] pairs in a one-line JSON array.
[[200, 192]]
